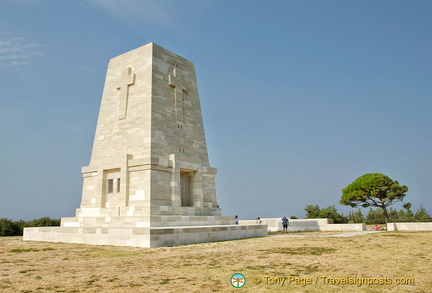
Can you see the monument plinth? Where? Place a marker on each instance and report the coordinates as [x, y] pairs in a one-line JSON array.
[[149, 182]]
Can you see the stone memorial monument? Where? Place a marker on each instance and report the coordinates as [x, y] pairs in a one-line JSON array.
[[149, 182]]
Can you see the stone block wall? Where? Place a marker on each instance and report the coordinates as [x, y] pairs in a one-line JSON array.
[[417, 226], [275, 224]]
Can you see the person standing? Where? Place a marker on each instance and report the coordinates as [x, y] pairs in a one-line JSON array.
[[236, 219], [285, 222]]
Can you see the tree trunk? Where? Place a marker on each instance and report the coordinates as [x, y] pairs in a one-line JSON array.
[[386, 216]]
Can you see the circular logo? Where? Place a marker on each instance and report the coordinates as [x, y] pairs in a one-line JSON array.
[[256, 280], [238, 280]]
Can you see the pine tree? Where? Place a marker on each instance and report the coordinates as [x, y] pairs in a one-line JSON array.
[[421, 215]]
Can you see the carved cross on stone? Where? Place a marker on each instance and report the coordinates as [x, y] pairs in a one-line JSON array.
[[126, 80], [176, 81]]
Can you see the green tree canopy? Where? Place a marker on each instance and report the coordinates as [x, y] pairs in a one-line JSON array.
[[6, 227], [421, 215], [356, 217], [374, 190], [43, 222], [312, 211], [374, 217], [330, 212], [15, 228]]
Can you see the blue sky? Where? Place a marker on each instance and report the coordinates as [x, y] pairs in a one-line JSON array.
[[299, 98]]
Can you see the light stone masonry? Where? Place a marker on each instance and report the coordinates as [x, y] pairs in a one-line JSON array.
[[295, 225], [149, 175], [414, 226]]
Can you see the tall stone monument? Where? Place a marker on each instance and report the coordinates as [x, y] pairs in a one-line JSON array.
[[149, 182]]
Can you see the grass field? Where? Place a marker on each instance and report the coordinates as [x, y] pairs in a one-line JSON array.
[[269, 264]]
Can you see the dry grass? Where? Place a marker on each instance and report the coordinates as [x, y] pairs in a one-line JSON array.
[[208, 267]]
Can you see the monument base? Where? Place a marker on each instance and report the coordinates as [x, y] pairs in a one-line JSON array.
[[144, 237]]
